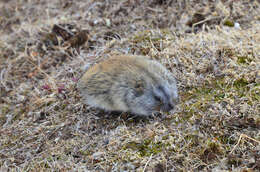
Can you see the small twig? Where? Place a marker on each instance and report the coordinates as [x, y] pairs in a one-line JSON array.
[[147, 162], [203, 21], [154, 10], [257, 141], [236, 144], [240, 138], [2, 77]]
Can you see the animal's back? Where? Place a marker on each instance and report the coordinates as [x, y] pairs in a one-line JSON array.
[[103, 75]]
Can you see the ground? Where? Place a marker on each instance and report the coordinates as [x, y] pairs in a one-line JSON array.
[[213, 49]]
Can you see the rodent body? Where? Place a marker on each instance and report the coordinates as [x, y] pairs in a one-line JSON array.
[[129, 83]]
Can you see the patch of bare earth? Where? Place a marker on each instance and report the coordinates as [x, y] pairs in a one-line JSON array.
[[213, 49]]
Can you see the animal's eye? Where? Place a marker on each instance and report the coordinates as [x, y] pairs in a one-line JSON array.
[[157, 98], [139, 88]]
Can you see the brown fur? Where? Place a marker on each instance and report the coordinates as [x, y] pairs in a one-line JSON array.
[[125, 82]]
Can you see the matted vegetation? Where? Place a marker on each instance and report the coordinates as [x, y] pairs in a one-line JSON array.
[[213, 49]]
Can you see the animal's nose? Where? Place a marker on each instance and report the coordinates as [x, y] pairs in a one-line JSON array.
[[168, 107]]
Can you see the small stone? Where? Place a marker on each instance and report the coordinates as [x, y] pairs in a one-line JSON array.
[[237, 25]]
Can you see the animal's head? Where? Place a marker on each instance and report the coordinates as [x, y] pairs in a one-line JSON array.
[[166, 94], [161, 96]]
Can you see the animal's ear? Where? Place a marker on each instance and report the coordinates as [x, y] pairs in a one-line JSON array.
[[139, 87]]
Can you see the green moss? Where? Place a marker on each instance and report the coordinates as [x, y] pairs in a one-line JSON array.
[[226, 139], [49, 103], [143, 40], [142, 36], [243, 60], [86, 152], [214, 147], [146, 147], [215, 91], [188, 112], [219, 97], [204, 90], [145, 36], [193, 139], [240, 83], [209, 92], [199, 99], [4, 110], [63, 106], [229, 23], [165, 137], [201, 105], [187, 95]]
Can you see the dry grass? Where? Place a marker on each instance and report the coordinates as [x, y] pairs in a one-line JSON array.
[[44, 125]]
